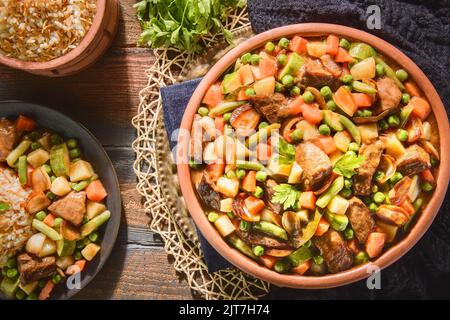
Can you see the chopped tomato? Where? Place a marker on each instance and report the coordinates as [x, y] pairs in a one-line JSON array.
[[298, 44], [294, 106], [254, 205], [215, 170], [302, 267], [268, 261], [95, 191], [46, 290], [213, 96], [312, 113], [343, 56], [267, 65], [249, 182], [307, 200], [25, 124], [412, 89], [263, 151], [246, 74], [421, 107], [50, 220], [322, 227], [362, 100], [219, 123], [375, 243], [332, 44]]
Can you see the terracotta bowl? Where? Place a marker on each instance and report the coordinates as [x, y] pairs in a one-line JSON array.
[[356, 273], [90, 49]]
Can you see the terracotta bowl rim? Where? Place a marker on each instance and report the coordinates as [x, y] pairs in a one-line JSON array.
[[70, 56], [356, 273]]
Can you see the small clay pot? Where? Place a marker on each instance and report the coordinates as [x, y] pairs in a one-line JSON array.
[[91, 48], [357, 273]]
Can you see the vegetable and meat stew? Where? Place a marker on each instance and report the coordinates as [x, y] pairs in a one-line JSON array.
[[313, 155], [51, 204]]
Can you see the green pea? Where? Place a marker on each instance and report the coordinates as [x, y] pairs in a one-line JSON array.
[[213, 216], [394, 121], [402, 135], [344, 43], [427, 187], [379, 197], [283, 43], [263, 125], [244, 225], [383, 124], [349, 233], [40, 215], [308, 97], [373, 207], [297, 135], [351, 153], [348, 183], [240, 173], [250, 92], [258, 251], [32, 296], [254, 60], [56, 139], [245, 59], [12, 273], [295, 91], [261, 176], [326, 92], [35, 145], [258, 192], [401, 74], [203, 111], [11, 263], [58, 222], [288, 80], [94, 236], [324, 129], [194, 165], [367, 113], [361, 257], [331, 105], [278, 87], [396, 177], [269, 47], [318, 259], [349, 87], [405, 98], [77, 255], [72, 143], [379, 69], [281, 266], [282, 59], [346, 192], [347, 79], [42, 283], [353, 146], [20, 295], [75, 153], [51, 195], [56, 278], [227, 116]]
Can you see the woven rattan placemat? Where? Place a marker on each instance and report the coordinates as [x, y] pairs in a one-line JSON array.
[[156, 172]]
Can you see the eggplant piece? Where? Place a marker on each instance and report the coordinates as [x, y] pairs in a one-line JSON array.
[[207, 193]]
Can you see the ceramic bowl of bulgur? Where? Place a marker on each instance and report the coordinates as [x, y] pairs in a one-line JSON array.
[[55, 37]]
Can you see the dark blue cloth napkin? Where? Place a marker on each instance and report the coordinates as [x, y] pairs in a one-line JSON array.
[[421, 29]]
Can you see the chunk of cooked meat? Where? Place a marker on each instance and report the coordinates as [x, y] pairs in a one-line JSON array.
[[361, 219], [255, 238], [8, 137], [389, 94], [314, 74], [315, 163], [372, 155], [334, 250], [33, 268], [72, 207], [270, 107], [206, 189], [329, 64], [415, 160], [268, 194]]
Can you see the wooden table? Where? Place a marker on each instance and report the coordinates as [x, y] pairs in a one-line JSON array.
[[105, 98]]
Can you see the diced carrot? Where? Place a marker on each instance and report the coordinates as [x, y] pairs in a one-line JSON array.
[[362, 100], [412, 89], [302, 267], [344, 99], [50, 220], [25, 124], [263, 151], [326, 143], [408, 207], [421, 107], [81, 264], [307, 200], [332, 44], [242, 95], [249, 182], [95, 191], [322, 227], [312, 113], [77, 267], [46, 290], [246, 74], [294, 106], [254, 205], [353, 245], [215, 170], [343, 56], [267, 65], [298, 44], [219, 123], [213, 96], [375, 243], [268, 261], [427, 176]]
